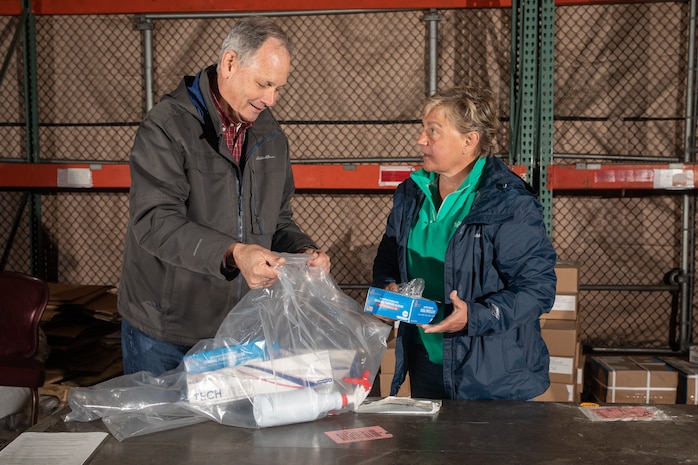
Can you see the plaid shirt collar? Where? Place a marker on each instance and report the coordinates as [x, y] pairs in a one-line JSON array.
[[233, 131]]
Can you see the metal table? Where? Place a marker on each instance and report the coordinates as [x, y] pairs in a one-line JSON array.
[[472, 432]]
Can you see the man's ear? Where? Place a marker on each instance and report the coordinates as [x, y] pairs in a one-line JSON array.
[[229, 63]]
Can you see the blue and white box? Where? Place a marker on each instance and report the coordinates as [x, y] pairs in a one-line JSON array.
[[400, 307]]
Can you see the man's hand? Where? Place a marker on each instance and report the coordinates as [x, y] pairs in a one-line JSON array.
[[256, 264], [320, 259]]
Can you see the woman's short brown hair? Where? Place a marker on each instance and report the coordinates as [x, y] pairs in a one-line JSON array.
[[469, 108]]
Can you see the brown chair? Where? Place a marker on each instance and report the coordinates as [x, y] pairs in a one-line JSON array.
[[23, 299]]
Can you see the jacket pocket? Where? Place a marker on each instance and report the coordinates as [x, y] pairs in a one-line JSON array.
[[267, 197], [213, 193]]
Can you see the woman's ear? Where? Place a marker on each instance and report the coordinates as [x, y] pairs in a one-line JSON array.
[[470, 141]]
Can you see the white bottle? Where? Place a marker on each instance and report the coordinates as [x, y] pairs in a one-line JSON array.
[[285, 408]]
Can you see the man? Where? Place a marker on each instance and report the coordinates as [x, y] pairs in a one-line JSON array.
[[211, 189]]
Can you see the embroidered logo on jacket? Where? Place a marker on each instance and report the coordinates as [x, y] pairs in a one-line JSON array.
[[495, 311], [266, 157]]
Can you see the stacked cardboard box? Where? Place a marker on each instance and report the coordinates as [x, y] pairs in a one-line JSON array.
[[632, 379], [687, 388], [566, 293], [560, 331], [387, 370]]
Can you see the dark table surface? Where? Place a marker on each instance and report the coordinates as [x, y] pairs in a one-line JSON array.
[[467, 432]]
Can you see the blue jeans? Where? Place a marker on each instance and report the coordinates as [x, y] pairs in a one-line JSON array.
[[141, 352]]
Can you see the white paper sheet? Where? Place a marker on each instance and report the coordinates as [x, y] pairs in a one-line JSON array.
[[51, 448]]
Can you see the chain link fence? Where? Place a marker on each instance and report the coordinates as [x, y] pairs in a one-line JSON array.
[[355, 93], [620, 91]]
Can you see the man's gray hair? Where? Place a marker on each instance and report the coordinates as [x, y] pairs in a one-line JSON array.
[[249, 34]]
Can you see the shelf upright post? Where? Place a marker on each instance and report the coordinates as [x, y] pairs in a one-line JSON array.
[[12, 49], [531, 106], [688, 235], [432, 19], [545, 102], [37, 255], [145, 25]]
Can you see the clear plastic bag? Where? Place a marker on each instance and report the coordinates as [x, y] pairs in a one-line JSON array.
[[296, 351], [624, 413], [412, 288]]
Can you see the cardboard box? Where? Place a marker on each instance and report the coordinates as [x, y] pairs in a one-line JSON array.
[[687, 389], [388, 362], [400, 307], [693, 354], [564, 308], [386, 379], [567, 278], [561, 337], [632, 379], [558, 392], [565, 305], [563, 370]]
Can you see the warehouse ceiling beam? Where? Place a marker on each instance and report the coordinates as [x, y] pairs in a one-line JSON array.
[[73, 7]]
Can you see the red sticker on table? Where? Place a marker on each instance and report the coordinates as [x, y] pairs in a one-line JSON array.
[[368, 433]]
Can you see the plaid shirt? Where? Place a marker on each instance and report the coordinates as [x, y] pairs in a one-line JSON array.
[[233, 131]]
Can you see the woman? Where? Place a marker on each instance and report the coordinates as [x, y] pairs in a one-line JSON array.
[[474, 231]]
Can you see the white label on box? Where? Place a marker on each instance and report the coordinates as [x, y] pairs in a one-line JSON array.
[[693, 354], [570, 392], [562, 365], [567, 303]]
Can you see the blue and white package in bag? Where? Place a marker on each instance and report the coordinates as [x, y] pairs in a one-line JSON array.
[[224, 357]]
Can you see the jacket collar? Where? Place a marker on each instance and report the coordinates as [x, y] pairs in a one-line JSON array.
[[491, 204]]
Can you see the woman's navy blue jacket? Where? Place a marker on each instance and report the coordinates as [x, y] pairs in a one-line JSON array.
[[501, 262]]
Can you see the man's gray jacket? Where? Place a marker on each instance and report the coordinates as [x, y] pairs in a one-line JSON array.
[[188, 202]]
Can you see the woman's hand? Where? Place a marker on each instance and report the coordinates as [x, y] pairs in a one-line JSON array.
[[392, 287], [456, 321]]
